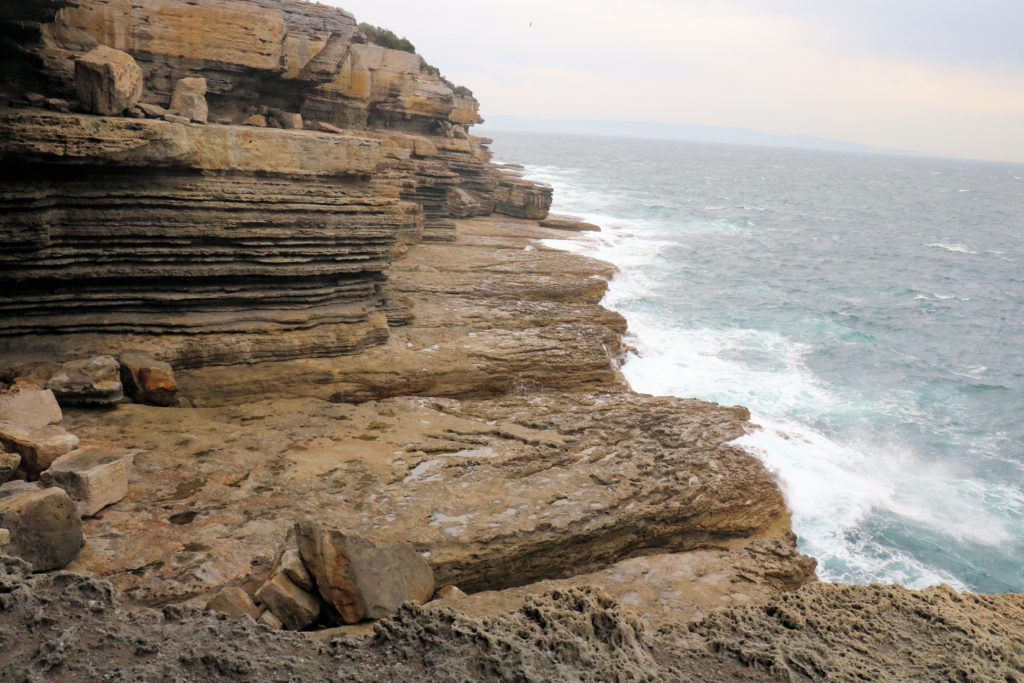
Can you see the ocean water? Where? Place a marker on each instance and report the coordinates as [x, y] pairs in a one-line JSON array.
[[869, 310]]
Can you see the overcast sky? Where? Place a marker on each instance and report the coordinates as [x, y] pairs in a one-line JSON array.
[[935, 76]]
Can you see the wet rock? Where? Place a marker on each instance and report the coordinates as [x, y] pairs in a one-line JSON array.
[[90, 382], [9, 463], [568, 223], [44, 525], [39, 447], [189, 100], [295, 607], [30, 407], [108, 81], [94, 477], [147, 380], [233, 602], [360, 578]]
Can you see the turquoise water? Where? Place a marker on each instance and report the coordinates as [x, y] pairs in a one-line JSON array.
[[867, 309]]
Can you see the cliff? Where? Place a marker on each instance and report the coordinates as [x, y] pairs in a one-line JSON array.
[[366, 330]]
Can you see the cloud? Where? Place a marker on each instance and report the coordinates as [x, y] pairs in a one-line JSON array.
[[791, 66]]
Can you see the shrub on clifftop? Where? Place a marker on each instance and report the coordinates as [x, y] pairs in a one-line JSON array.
[[385, 38]]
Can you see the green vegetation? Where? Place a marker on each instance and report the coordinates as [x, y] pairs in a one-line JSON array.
[[385, 38]]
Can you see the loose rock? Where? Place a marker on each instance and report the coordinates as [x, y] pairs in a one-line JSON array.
[[147, 380], [289, 120], [270, 621], [5, 537], [9, 463], [233, 602], [295, 607], [32, 408], [38, 448], [108, 81], [189, 100], [362, 579], [45, 529], [258, 120], [568, 223], [93, 477], [152, 111], [326, 128], [92, 382]]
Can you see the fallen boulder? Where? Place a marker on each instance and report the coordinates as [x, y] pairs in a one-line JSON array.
[[295, 607], [94, 477], [233, 602], [31, 408], [568, 223], [360, 578], [151, 111], [38, 448], [9, 463], [189, 100], [289, 120], [5, 537], [45, 528], [461, 204], [146, 380], [108, 81], [90, 382]]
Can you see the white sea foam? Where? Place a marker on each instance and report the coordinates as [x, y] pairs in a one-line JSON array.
[[959, 248]]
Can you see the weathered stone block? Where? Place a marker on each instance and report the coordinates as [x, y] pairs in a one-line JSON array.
[[189, 100], [257, 120], [32, 408], [45, 529], [270, 621], [9, 463], [292, 566], [108, 81], [5, 537], [37, 447], [90, 382], [147, 380], [289, 120], [233, 602], [93, 477], [360, 578], [152, 111], [293, 606]]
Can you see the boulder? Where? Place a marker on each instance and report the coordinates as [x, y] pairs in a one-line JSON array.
[[360, 578], [233, 602], [189, 100], [90, 382], [449, 593], [32, 408], [326, 128], [9, 463], [270, 621], [5, 537], [152, 111], [461, 204], [292, 566], [147, 380], [94, 477], [174, 118], [289, 120], [295, 607], [45, 529], [35, 99], [38, 448], [108, 81], [58, 104], [258, 120]]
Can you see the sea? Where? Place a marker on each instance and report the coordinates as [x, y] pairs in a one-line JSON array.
[[867, 309]]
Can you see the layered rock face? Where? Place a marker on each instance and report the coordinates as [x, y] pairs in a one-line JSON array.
[[219, 244]]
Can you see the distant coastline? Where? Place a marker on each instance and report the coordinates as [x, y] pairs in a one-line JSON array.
[[681, 132]]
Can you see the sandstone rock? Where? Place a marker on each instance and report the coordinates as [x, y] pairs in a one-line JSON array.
[[89, 382], [289, 120], [270, 621], [326, 635], [233, 602], [362, 579], [31, 408], [58, 104], [295, 607], [135, 113], [35, 99], [292, 566], [568, 223], [94, 477], [44, 525], [449, 593], [522, 198], [174, 118], [257, 120], [152, 111], [108, 81], [9, 463], [5, 537], [189, 100], [326, 128], [147, 380], [461, 204], [38, 447]]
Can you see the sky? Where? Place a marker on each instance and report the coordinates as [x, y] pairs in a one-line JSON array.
[[935, 76]]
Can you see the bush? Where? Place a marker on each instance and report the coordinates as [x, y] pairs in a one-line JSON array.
[[385, 38]]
